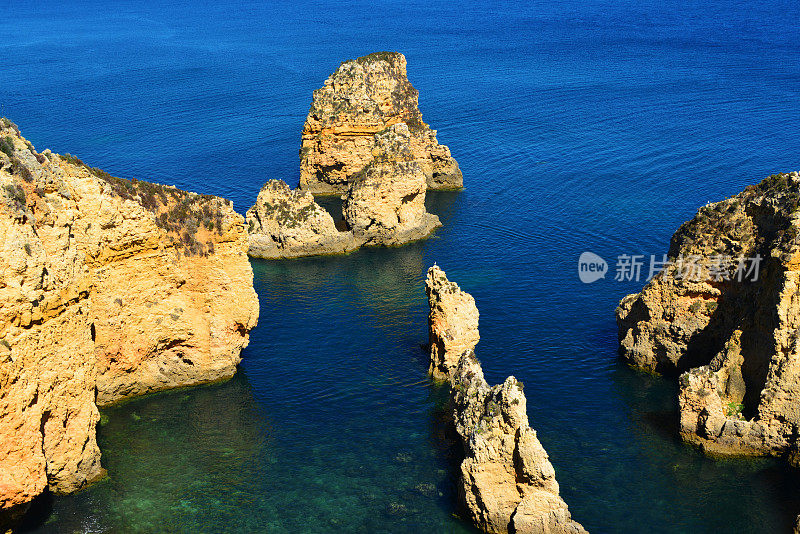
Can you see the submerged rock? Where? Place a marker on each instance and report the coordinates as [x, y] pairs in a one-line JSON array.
[[286, 223], [363, 97], [385, 203], [506, 483], [109, 288], [732, 329], [452, 323]]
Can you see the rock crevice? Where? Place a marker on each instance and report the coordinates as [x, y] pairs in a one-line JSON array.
[[731, 332]]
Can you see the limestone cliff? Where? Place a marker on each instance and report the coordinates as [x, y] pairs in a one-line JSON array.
[[109, 288], [365, 96], [732, 327], [452, 323], [506, 481], [385, 203], [286, 223]]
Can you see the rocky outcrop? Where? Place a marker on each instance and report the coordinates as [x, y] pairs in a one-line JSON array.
[[506, 481], [385, 203], [730, 324], [363, 97], [286, 223], [452, 323], [363, 138], [110, 288]]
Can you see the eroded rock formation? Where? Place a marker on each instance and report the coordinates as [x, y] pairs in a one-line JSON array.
[[506, 480], [452, 323], [363, 97], [109, 288], [385, 203], [286, 223], [732, 328]]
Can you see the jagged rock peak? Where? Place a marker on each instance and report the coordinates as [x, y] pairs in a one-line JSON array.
[[731, 329], [506, 481], [452, 323], [365, 96]]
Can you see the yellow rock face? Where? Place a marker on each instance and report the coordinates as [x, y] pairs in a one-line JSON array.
[[733, 334], [363, 97], [385, 204], [452, 323], [108, 289], [506, 482]]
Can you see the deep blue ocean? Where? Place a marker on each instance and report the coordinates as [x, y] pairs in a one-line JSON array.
[[591, 125]]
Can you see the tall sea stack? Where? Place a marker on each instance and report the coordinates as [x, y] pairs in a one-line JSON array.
[[363, 97]]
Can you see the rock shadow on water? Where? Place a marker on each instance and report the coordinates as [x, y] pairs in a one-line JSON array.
[[184, 460], [704, 487]]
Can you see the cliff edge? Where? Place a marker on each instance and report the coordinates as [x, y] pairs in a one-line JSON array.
[[730, 323], [110, 288]]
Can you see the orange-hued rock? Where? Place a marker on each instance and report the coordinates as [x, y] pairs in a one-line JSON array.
[[385, 203], [452, 323], [506, 481], [384, 206], [287, 223], [363, 97], [733, 334], [108, 289]]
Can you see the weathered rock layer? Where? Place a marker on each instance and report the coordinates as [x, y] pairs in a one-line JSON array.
[[109, 288], [506, 480], [732, 329], [363, 97], [385, 203], [452, 323]]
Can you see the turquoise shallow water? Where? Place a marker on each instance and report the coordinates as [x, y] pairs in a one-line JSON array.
[[592, 125]]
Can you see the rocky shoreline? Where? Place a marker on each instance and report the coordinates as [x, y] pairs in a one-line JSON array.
[[110, 288], [506, 481], [114, 288], [731, 333]]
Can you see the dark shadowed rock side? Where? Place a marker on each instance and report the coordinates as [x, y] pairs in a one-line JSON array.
[[109, 288], [363, 97], [733, 335], [384, 206], [506, 481]]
